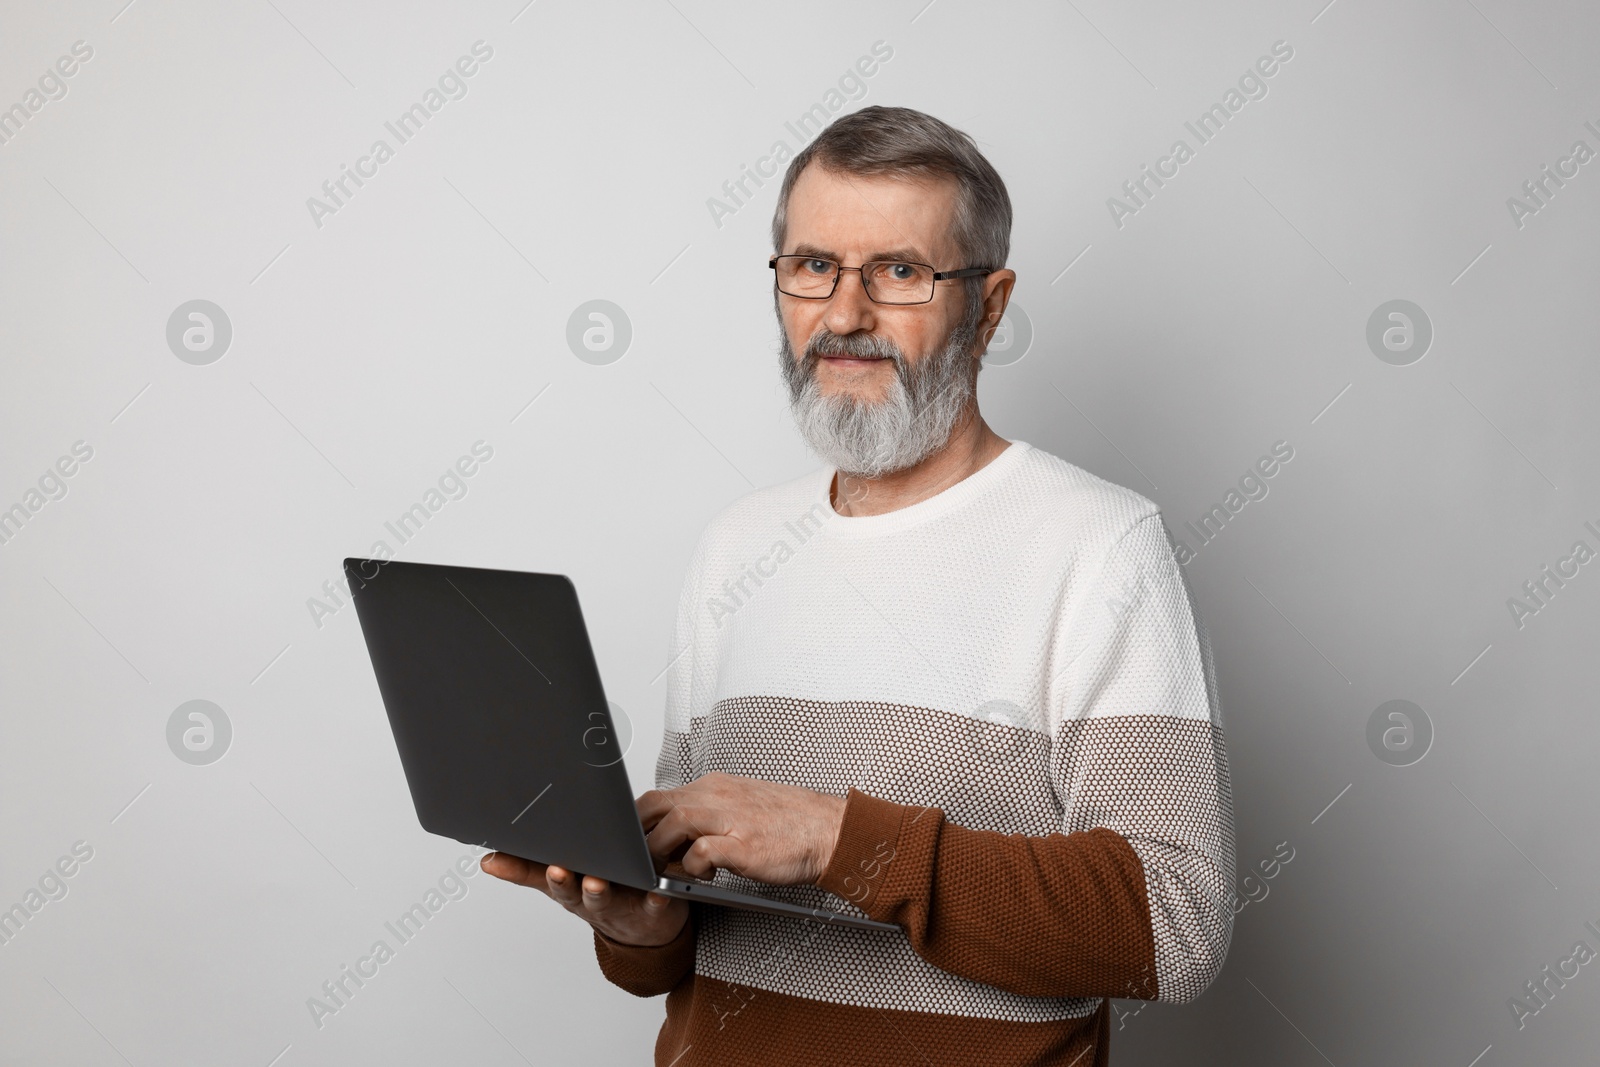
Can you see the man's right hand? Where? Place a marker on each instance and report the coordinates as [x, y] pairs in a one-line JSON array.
[[624, 914]]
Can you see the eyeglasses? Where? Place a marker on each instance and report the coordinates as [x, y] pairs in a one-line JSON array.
[[888, 282]]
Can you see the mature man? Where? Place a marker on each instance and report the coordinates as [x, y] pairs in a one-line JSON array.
[[950, 681]]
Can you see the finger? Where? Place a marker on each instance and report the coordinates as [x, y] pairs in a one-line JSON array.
[[564, 887], [598, 897], [676, 827], [514, 869], [708, 818], [709, 853], [602, 898], [653, 804]]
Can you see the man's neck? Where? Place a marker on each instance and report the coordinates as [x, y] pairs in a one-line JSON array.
[[971, 447]]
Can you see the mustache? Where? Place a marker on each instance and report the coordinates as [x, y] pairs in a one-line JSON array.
[[860, 345]]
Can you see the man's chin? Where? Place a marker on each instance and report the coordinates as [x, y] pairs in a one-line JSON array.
[[855, 399], [856, 468], [851, 370], [859, 394], [865, 460]]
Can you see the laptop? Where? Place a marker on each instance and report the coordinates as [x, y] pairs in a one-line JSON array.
[[503, 728]]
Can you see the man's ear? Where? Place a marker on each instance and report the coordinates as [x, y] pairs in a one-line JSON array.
[[996, 295], [991, 323]]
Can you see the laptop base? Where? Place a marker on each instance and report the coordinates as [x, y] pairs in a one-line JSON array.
[[688, 889]]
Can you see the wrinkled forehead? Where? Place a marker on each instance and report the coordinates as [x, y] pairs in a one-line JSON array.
[[853, 218]]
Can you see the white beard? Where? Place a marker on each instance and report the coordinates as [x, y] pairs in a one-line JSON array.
[[868, 440]]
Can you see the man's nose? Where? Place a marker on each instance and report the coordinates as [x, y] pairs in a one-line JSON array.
[[849, 309]]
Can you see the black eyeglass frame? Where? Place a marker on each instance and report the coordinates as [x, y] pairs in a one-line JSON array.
[[938, 276]]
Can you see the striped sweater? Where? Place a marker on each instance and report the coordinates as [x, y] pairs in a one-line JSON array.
[[1009, 684]]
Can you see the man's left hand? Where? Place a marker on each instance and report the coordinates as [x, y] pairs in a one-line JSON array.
[[773, 833]]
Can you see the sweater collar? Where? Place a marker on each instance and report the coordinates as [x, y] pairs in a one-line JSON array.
[[942, 502]]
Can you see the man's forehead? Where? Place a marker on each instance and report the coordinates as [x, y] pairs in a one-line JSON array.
[[877, 216]]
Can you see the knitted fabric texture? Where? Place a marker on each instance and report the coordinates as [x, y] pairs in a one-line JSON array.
[[1009, 684]]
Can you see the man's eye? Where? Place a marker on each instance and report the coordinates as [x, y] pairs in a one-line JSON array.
[[901, 271], [819, 266]]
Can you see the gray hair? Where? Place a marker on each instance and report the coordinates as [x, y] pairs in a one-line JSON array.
[[899, 141]]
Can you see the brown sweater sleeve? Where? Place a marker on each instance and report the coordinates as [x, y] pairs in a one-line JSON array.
[[647, 971], [1063, 915]]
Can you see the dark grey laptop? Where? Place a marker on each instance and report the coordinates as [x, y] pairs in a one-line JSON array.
[[503, 728]]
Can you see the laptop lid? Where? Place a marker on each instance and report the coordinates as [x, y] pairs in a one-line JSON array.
[[495, 701]]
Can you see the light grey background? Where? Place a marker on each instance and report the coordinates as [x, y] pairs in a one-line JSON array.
[[1168, 354]]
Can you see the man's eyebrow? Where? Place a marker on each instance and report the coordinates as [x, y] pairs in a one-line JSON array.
[[902, 255]]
